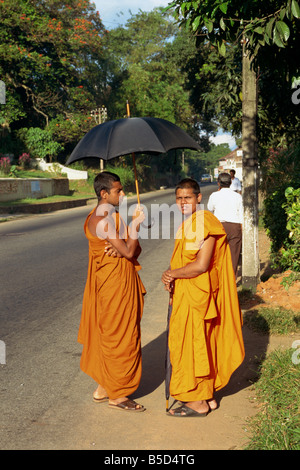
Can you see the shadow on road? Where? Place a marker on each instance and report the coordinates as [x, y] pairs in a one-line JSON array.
[[153, 374]]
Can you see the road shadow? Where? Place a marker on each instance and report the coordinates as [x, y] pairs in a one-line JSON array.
[[153, 372], [256, 344]]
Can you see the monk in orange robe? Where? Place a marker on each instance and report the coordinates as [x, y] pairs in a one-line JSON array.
[[205, 330], [113, 300]]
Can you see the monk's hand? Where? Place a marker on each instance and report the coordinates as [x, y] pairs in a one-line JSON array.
[[111, 251], [167, 279], [138, 215], [170, 287]]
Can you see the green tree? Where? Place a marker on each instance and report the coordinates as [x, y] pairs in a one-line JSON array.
[[147, 56], [149, 72], [262, 27], [51, 60], [270, 33]]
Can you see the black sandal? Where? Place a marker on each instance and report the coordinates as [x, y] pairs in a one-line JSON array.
[[188, 412]]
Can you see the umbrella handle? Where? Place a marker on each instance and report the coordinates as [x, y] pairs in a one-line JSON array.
[[136, 181], [134, 166]]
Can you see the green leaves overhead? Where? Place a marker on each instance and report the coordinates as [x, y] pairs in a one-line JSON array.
[[268, 23], [295, 9], [281, 33]]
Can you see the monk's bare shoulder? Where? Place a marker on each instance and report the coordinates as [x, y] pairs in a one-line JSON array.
[[93, 222]]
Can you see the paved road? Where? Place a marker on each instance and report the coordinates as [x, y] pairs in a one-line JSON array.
[[45, 398]]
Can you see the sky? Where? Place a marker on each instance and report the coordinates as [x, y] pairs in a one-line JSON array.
[[116, 12], [110, 10]]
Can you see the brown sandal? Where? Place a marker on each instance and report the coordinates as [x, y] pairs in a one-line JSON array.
[[127, 405]]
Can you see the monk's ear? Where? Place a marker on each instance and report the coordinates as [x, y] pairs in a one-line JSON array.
[[199, 198], [103, 194]]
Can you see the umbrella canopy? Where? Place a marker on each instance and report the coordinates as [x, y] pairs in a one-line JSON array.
[[131, 135]]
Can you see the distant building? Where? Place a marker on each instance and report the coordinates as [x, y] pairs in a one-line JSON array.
[[231, 161]]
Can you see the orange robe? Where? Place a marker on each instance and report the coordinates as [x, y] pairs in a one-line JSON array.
[[205, 337], [110, 321]]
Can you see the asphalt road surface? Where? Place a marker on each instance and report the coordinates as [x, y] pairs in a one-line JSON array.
[[45, 400]]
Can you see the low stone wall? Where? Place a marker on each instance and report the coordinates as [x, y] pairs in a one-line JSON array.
[[12, 189]]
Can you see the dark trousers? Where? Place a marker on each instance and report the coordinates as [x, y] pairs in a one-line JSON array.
[[234, 237]]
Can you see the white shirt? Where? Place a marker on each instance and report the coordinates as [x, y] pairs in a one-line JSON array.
[[236, 185], [226, 205]]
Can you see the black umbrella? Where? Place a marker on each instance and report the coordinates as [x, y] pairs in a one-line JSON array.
[[129, 136]]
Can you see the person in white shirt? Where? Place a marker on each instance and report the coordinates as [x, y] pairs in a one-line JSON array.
[[227, 206], [235, 183]]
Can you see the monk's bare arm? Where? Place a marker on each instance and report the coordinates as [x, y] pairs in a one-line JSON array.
[[111, 251], [197, 267], [105, 228], [137, 251]]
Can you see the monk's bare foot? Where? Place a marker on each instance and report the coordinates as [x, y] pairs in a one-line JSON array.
[[199, 406], [99, 393], [213, 405]]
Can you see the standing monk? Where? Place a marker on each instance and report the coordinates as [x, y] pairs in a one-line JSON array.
[[205, 331], [113, 300]]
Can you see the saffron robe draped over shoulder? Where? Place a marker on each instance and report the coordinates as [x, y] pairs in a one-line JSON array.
[[110, 321], [205, 337]]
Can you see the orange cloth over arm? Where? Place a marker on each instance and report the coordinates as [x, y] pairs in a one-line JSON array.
[[110, 321], [205, 337]]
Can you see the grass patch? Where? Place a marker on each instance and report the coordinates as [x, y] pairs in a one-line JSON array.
[[80, 187], [56, 198], [277, 321], [276, 426], [18, 173]]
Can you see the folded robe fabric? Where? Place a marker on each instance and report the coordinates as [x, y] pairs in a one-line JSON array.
[[110, 321], [205, 338]]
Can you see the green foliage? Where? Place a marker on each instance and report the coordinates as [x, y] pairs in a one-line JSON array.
[[148, 53], [24, 160], [270, 32], [126, 176], [277, 321], [259, 24], [205, 162], [5, 165], [289, 280], [40, 142], [280, 171], [276, 425], [290, 253], [51, 57]]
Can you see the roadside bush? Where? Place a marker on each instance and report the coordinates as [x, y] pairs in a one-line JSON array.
[[24, 160], [289, 255], [126, 176], [280, 171], [5, 165], [40, 143]]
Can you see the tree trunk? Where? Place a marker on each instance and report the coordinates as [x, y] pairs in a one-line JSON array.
[[250, 255]]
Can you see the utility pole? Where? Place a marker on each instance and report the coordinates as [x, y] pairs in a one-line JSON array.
[[250, 255], [100, 116]]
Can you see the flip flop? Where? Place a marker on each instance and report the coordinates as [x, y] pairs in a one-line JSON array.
[[100, 400], [127, 405], [189, 412]]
